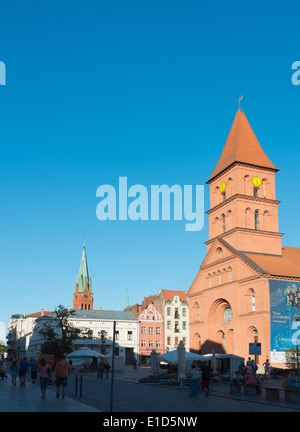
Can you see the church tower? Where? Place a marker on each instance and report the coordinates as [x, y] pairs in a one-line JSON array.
[[83, 295], [244, 209]]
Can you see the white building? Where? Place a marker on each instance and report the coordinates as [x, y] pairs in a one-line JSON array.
[[98, 325]]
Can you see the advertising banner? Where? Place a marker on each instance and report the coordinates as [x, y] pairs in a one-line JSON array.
[[283, 331]]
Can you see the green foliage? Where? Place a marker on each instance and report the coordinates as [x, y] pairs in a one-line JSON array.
[[58, 339]]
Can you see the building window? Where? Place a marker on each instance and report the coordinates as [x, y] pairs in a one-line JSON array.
[[223, 223], [176, 341], [184, 341], [151, 330], [168, 340], [184, 312], [252, 301], [256, 219], [129, 335], [176, 313], [117, 335], [183, 325], [143, 343], [255, 192], [168, 311], [158, 330], [230, 274], [158, 344], [169, 325], [151, 345], [143, 330]]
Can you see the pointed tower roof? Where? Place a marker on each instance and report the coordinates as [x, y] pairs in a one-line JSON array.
[[242, 146], [83, 276]]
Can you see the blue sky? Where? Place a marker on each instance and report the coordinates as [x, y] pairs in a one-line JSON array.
[[143, 89]]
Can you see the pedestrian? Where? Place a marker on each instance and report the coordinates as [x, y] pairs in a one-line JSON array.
[[205, 369], [63, 369], [267, 366], [107, 368], [45, 373], [134, 363], [249, 379], [291, 381], [194, 384], [101, 368], [249, 363], [23, 370], [254, 368], [33, 370], [14, 373]]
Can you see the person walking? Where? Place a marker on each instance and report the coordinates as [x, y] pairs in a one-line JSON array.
[[101, 368], [23, 370], [33, 370], [63, 369], [14, 373], [45, 373], [205, 369], [194, 384], [107, 368], [267, 366]]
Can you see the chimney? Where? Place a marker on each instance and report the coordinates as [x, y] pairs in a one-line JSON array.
[[69, 307], [42, 312]]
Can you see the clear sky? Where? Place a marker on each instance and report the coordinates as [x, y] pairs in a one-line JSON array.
[[97, 90]]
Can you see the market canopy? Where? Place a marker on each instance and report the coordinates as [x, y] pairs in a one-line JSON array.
[[171, 357], [84, 352]]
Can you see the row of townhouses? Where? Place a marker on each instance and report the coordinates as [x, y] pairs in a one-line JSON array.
[[159, 323]]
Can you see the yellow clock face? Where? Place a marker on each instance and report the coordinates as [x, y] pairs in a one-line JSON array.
[[256, 181], [222, 187]]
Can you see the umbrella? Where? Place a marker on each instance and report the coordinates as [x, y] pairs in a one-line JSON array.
[[155, 368], [171, 357], [181, 360], [84, 352]]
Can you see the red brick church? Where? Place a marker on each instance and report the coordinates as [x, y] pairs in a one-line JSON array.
[[240, 294]]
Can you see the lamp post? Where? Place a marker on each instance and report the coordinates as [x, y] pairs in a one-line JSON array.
[[294, 298]]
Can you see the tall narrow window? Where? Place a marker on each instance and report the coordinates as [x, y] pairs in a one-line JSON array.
[[256, 219], [252, 301], [255, 192], [230, 274], [223, 223]]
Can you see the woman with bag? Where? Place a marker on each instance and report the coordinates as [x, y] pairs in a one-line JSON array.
[[45, 374]]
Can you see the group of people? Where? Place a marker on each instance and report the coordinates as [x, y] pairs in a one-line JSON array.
[[103, 367], [62, 370], [246, 373], [199, 377]]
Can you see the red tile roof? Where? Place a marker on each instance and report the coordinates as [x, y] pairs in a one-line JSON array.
[[287, 265], [39, 314], [170, 294]]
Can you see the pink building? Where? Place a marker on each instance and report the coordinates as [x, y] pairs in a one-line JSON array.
[[151, 333]]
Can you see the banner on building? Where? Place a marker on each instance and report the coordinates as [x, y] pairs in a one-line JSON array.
[[283, 332]]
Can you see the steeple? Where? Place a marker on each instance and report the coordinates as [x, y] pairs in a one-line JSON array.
[[243, 206], [83, 295], [242, 146]]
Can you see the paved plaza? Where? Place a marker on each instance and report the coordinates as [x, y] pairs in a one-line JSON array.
[[130, 396]]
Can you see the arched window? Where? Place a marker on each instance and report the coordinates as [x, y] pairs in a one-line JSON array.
[[230, 274], [252, 300], [223, 223], [256, 219]]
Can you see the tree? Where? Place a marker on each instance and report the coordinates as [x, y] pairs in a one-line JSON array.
[[58, 339]]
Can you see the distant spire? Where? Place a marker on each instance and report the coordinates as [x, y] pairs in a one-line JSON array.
[[127, 300]]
